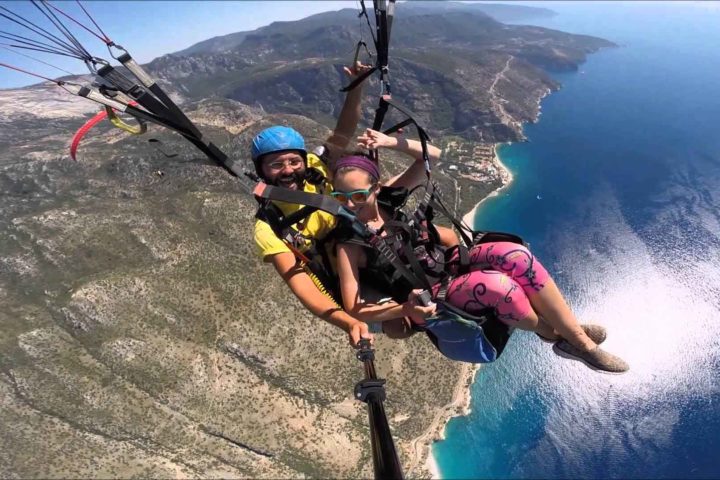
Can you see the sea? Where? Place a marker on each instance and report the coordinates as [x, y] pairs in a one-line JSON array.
[[617, 190]]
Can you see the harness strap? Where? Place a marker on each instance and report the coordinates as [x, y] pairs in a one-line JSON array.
[[172, 110], [272, 215], [464, 258], [442, 291], [467, 239], [380, 112], [138, 93], [320, 202], [359, 79], [431, 189], [386, 251], [297, 217], [398, 126], [415, 264], [423, 232], [386, 102]]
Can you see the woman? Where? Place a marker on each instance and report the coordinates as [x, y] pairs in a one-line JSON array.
[[503, 276]]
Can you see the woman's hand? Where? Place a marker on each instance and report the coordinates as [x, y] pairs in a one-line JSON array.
[[372, 139], [415, 310]]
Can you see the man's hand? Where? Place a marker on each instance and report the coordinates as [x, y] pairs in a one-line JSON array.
[[356, 70], [357, 331]]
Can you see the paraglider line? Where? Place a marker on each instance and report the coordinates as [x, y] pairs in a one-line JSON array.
[[107, 39], [60, 26], [5, 46], [104, 40], [30, 73], [42, 32], [54, 52], [32, 42]]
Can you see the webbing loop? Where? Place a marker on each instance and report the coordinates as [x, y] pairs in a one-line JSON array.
[[139, 129]]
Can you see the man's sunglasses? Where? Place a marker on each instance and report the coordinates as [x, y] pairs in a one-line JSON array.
[[295, 163], [357, 196]]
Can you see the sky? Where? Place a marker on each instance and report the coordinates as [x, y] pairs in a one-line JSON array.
[[147, 29]]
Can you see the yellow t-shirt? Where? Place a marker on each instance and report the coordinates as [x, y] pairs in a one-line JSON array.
[[316, 226]]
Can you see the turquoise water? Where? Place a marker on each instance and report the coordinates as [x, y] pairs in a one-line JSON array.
[[618, 192]]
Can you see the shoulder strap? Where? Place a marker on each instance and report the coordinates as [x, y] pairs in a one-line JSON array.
[[315, 177], [430, 201], [392, 198], [271, 214]]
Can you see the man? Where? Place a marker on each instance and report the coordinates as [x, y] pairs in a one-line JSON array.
[[281, 159]]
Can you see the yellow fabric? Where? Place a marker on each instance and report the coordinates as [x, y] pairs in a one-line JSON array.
[[315, 226], [116, 121]]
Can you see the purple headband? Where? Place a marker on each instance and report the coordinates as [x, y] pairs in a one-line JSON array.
[[363, 163]]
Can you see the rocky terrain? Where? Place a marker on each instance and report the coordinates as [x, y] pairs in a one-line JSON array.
[[141, 337]]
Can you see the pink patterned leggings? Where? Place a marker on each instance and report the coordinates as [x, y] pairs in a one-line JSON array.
[[502, 276]]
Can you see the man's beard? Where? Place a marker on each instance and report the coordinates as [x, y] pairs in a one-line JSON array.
[[286, 181]]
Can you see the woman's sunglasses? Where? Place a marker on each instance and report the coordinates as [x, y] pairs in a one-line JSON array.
[[357, 196]]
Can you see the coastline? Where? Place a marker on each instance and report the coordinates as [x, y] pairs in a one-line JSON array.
[[423, 464], [460, 403], [507, 178]]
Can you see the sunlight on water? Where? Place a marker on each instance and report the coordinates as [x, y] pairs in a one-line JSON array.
[[660, 317], [652, 280], [626, 159]]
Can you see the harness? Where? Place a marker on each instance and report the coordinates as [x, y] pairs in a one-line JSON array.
[[406, 253], [315, 260], [418, 260]]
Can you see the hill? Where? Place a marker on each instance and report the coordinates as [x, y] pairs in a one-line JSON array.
[[458, 69]]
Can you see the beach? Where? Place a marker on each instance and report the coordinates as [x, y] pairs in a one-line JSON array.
[[507, 178], [423, 463]]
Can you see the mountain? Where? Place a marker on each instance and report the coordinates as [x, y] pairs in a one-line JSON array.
[[215, 45], [501, 12], [458, 69], [497, 11]]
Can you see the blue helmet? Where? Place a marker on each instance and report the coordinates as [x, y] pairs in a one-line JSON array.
[[277, 139]]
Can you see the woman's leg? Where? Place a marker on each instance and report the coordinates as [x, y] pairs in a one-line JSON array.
[[482, 290], [546, 300], [555, 311], [517, 262]]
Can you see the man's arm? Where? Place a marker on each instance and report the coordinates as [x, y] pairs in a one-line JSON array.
[[314, 300], [448, 237], [349, 117]]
